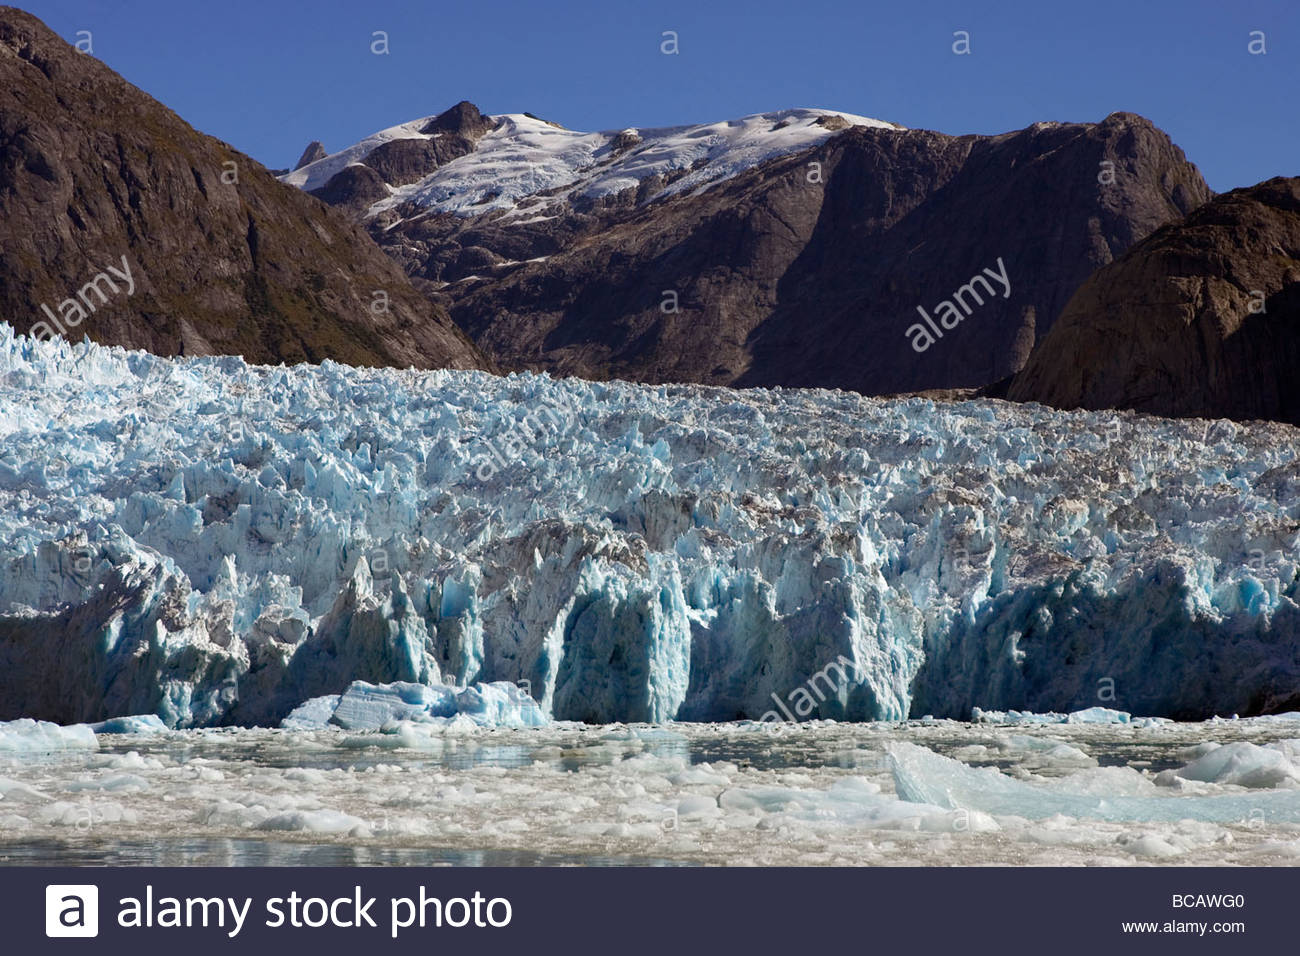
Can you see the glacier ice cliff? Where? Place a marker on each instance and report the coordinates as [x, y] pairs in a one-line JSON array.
[[217, 543]]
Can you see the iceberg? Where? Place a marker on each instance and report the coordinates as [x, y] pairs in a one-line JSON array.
[[215, 544], [1242, 764], [312, 714], [136, 724], [365, 706], [925, 777], [26, 736]]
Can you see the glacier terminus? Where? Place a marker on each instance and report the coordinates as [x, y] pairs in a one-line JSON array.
[[217, 543]]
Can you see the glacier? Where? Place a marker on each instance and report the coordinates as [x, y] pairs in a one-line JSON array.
[[216, 543]]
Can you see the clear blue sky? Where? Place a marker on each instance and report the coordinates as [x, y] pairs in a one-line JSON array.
[[270, 76]]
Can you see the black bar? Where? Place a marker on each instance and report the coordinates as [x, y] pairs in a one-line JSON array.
[[683, 911]]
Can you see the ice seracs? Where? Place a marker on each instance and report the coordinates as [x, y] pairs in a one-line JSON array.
[[216, 543]]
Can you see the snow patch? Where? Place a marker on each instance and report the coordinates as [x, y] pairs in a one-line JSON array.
[[525, 156]]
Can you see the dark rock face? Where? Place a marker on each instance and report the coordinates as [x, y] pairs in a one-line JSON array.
[[1200, 319], [223, 258], [399, 162], [808, 270], [402, 161], [353, 188], [624, 141], [463, 119], [315, 150]]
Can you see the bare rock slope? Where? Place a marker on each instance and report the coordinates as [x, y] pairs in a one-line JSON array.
[[1201, 319], [222, 258], [789, 248]]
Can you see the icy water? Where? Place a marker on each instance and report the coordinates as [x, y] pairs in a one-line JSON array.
[[813, 794]]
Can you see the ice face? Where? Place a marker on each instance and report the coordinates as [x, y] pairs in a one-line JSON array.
[[212, 542]]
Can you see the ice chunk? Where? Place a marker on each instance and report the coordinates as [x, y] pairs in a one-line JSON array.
[[499, 704], [316, 821], [1152, 844], [923, 776], [852, 801], [1099, 715], [365, 706], [981, 716], [15, 791], [115, 781], [1029, 752], [312, 714], [142, 724], [1092, 715], [39, 736], [1242, 764]]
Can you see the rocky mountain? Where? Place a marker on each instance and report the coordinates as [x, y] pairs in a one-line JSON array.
[[120, 221], [803, 248], [1200, 319], [314, 151]]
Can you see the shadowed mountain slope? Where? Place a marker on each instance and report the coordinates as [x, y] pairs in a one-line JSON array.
[[789, 248], [1201, 319]]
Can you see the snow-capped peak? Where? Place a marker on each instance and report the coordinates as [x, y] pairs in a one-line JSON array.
[[524, 156]]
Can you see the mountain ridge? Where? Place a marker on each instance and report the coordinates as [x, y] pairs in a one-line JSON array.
[[798, 260], [225, 259]]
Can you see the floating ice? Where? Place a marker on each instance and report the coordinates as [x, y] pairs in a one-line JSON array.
[[1029, 752], [1098, 715], [312, 714], [1090, 715], [140, 724], [923, 776], [365, 706], [315, 821], [39, 736], [644, 793], [1242, 764]]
